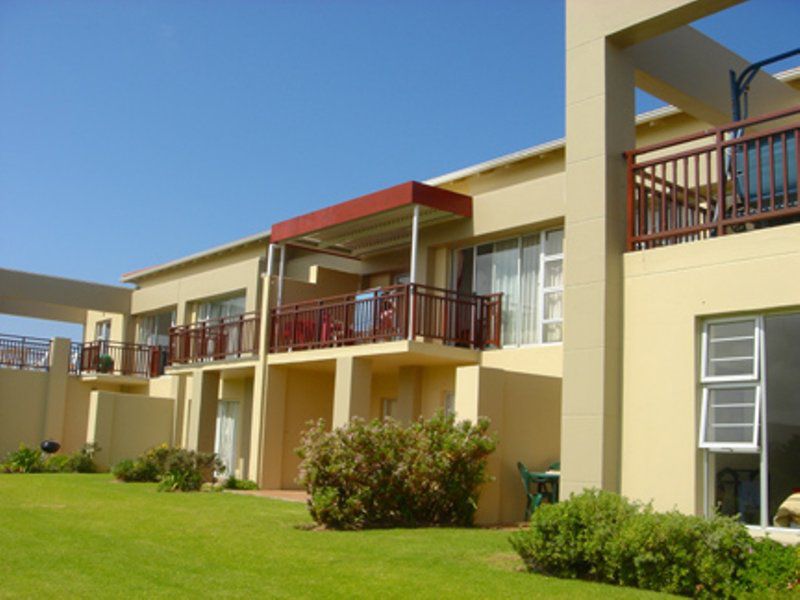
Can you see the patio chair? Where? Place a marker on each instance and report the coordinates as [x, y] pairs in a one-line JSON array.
[[545, 486]]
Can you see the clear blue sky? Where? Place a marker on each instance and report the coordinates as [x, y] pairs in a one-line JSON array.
[[137, 132]]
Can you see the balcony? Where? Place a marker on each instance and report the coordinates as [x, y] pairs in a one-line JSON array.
[[26, 353], [118, 358], [390, 313], [91, 358], [717, 182], [215, 339]]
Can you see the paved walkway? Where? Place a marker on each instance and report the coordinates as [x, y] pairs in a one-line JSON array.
[[287, 495]]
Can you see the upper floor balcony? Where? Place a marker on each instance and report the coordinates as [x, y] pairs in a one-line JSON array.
[[717, 182], [101, 357], [221, 338], [397, 312]]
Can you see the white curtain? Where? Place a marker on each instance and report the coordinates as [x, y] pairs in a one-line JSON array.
[[531, 252], [505, 279]]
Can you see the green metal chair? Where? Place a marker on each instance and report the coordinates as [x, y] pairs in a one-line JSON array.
[[544, 484]]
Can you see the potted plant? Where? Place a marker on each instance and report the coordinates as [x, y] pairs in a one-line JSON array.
[[105, 364]]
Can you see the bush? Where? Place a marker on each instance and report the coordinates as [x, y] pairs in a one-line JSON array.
[[58, 463], [82, 461], [32, 460], [603, 537], [381, 474], [24, 460], [771, 567], [174, 469], [232, 483]]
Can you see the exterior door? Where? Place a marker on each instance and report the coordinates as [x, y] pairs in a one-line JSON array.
[[226, 439]]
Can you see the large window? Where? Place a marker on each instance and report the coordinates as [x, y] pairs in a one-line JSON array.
[[153, 329], [528, 270], [750, 416]]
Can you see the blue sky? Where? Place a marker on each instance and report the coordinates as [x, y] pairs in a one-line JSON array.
[[137, 132]]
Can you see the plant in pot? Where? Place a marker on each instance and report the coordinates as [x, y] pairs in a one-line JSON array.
[[105, 364]]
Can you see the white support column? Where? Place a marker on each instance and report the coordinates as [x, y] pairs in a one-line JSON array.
[[270, 259], [281, 271], [412, 276]]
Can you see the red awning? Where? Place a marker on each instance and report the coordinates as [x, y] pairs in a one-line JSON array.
[[373, 223]]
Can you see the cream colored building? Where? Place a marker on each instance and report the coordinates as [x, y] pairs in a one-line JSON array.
[[593, 306]]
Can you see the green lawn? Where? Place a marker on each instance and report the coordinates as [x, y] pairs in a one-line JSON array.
[[70, 536]]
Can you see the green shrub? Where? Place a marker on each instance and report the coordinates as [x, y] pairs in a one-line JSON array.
[[771, 567], [232, 483], [105, 363], [381, 474], [174, 469], [58, 463], [603, 537], [82, 461], [681, 554], [570, 539], [186, 470], [24, 460]]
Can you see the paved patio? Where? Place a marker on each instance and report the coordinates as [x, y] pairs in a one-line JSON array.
[[287, 495]]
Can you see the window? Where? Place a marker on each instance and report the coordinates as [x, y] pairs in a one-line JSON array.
[[750, 416], [449, 403], [388, 407], [102, 331], [220, 308], [528, 270], [731, 391], [153, 330]]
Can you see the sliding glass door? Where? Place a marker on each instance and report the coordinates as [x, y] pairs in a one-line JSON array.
[[528, 270]]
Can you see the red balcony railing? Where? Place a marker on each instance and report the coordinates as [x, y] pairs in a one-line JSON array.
[[717, 182], [216, 339], [118, 358], [21, 352], [387, 314]]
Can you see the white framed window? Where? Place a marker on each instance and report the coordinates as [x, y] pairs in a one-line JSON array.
[[102, 331], [730, 417], [388, 407], [750, 417], [153, 329], [731, 350], [529, 271], [731, 397]]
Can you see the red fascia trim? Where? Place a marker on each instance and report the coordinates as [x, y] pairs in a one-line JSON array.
[[411, 192]]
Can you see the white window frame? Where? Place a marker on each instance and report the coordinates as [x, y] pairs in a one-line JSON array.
[[753, 380], [544, 258], [539, 319], [744, 447], [757, 333]]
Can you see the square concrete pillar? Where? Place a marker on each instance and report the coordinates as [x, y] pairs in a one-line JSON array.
[[600, 127], [55, 407], [266, 446], [409, 394], [352, 389], [480, 393], [203, 411]]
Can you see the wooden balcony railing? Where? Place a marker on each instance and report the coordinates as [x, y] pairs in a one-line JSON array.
[[720, 181], [118, 358], [386, 314], [21, 352], [217, 339]]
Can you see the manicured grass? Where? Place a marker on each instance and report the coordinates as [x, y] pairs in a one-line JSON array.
[[70, 536]]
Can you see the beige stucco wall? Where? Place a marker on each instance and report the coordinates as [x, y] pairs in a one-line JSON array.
[[309, 397], [668, 291], [125, 425], [525, 415], [23, 399], [236, 271]]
